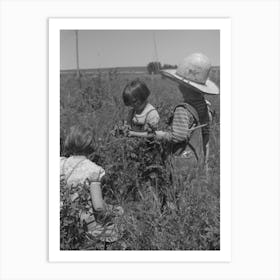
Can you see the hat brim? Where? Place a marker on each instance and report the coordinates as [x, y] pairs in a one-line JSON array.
[[208, 88]]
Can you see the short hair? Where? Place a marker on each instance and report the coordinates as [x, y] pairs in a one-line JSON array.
[[79, 141], [135, 89]]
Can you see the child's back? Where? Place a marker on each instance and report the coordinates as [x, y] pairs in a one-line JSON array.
[[80, 170], [81, 175]]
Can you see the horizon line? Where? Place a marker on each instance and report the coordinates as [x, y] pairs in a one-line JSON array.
[[115, 67]]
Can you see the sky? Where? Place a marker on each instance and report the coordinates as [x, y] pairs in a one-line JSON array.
[[121, 48]]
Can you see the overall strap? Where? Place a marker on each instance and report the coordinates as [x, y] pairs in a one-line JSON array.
[[195, 141], [140, 126], [73, 169], [153, 109]]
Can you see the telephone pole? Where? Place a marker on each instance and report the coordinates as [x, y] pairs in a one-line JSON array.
[[156, 53], [77, 58]]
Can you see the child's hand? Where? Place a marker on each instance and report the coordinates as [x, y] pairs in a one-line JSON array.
[[115, 210], [160, 135], [103, 217], [131, 133]]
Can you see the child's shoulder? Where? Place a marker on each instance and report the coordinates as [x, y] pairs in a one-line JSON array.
[[151, 111], [81, 168], [93, 170], [80, 161], [62, 161], [149, 107], [93, 165]]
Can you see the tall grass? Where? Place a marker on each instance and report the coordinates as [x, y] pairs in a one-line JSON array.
[[161, 211]]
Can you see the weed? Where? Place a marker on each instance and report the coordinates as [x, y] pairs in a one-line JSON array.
[[161, 213]]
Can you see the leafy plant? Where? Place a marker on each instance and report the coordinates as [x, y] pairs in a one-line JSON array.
[[160, 212]]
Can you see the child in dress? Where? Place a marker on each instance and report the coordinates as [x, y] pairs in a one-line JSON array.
[[78, 171], [143, 117]]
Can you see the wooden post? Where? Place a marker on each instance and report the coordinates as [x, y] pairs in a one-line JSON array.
[[156, 54], [77, 58]]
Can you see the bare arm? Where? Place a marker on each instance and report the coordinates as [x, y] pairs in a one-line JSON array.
[[161, 135], [139, 134], [96, 196], [179, 129]]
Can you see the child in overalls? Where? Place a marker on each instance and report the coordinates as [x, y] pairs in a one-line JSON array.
[[78, 172], [142, 117], [189, 134]]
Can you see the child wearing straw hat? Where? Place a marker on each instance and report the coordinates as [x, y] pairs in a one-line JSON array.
[[143, 117], [78, 172], [189, 134]]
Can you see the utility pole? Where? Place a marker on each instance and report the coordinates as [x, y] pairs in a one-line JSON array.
[[77, 53], [77, 58], [156, 53]]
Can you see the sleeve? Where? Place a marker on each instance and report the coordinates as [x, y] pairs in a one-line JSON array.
[[153, 119], [96, 173], [181, 122], [101, 174]]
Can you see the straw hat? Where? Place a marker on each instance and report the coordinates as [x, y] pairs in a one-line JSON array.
[[193, 71]]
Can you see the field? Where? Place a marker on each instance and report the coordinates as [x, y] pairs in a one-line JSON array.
[[162, 211]]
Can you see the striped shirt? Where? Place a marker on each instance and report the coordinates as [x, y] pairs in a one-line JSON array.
[[203, 113], [182, 121]]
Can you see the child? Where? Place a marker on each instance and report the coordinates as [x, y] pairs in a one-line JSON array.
[[78, 171], [143, 117], [189, 134], [192, 77]]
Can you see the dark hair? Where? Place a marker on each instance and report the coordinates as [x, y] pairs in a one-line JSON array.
[[79, 141], [136, 89]]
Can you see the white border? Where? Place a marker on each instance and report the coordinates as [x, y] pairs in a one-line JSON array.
[[55, 25]]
